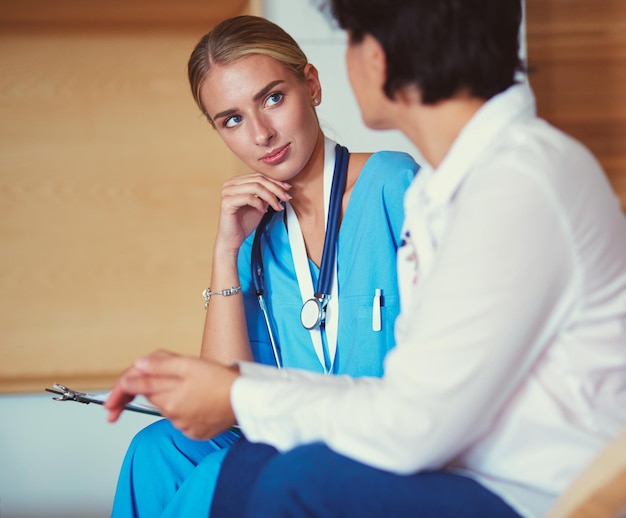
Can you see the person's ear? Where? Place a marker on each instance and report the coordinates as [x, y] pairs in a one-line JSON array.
[[375, 60], [311, 76]]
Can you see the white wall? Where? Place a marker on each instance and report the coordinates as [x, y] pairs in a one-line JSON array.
[[60, 459], [325, 48]]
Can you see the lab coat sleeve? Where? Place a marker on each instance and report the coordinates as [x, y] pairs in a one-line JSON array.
[[500, 284]]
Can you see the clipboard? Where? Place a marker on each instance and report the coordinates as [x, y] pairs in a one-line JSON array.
[[139, 404]]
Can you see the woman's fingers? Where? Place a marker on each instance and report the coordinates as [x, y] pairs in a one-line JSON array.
[[193, 393], [257, 191], [244, 201]]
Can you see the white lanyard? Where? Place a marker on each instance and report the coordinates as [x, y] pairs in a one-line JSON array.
[[303, 273]]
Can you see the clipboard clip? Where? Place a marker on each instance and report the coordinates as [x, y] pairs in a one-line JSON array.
[[67, 394]]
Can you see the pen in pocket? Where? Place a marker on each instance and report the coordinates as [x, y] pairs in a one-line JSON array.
[[376, 316]]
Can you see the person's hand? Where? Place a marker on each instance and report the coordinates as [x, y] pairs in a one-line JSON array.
[[194, 394], [244, 201]]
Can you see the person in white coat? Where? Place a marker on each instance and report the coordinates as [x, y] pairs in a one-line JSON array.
[[510, 360]]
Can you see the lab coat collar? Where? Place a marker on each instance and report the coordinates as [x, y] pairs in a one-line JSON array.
[[436, 187]]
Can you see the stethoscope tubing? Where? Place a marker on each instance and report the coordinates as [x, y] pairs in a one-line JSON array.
[[328, 253], [257, 279], [332, 228]]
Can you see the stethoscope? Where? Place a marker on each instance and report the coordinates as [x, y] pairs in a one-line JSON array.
[[313, 312]]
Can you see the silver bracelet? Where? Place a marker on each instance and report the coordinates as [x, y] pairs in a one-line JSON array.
[[207, 294]]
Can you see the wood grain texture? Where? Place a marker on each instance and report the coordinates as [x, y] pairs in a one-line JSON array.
[[110, 179], [109, 188], [135, 14], [577, 56]]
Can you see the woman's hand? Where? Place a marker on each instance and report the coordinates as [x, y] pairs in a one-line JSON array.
[[244, 201], [194, 394]]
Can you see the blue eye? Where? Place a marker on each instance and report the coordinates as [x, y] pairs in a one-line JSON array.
[[274, 98], [231, 122]]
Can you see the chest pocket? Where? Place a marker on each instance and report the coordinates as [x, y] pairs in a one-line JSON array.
[[361, 349]]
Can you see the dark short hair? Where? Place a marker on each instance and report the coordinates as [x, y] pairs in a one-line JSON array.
[[442, 47]]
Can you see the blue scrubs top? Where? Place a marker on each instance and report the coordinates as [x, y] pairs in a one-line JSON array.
[[369, 237], [185, 470]]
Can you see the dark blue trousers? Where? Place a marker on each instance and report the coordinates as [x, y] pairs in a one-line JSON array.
[[313, 481]]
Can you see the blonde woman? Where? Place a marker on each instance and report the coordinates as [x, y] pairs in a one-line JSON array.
[[258, 91]]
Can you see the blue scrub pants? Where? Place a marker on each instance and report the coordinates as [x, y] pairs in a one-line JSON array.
[[313, 481], [166, 474]]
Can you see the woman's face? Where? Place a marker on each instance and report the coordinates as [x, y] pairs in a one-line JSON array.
[[264, 114]]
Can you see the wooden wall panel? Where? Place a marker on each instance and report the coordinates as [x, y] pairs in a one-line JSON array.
[[109, 186], [577, 55], [109, 178], [135, 14]]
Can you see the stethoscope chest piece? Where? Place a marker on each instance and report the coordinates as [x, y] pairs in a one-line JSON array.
[[313, 312]]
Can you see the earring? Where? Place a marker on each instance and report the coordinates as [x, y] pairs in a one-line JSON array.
[[316, 101]]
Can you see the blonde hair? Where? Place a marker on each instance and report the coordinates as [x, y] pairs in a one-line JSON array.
[[235, 38]]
